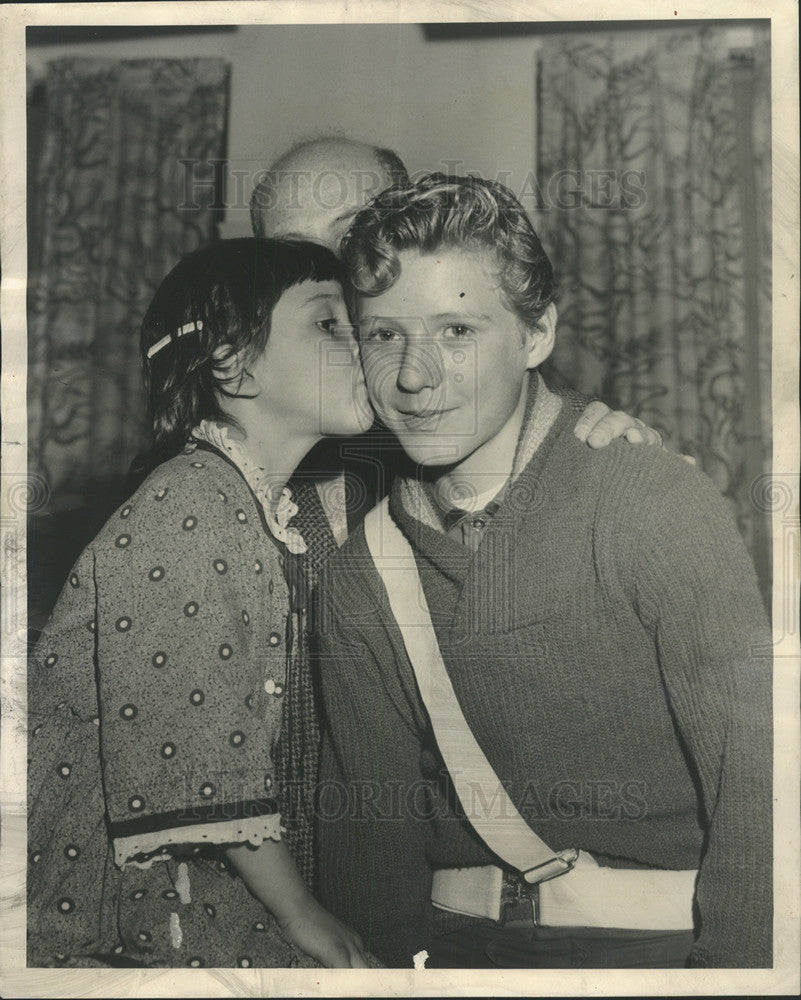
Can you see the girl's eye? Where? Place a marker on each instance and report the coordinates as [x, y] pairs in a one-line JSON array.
[[328, 326], [382, 333], [337, 328], [458, 330]]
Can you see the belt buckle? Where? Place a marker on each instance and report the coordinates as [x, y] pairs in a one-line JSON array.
[[520, 893], [519, 901], [559, 864]]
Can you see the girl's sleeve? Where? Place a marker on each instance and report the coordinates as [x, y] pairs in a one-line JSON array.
[[190, 672], [60, 669], [62, 709]]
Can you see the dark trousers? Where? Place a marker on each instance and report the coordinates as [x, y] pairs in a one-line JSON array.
[[529, 947]]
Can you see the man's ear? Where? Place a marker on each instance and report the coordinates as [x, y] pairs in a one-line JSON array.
[[541, 337]]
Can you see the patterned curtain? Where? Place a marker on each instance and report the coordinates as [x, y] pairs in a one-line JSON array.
[[654, 176], [108, 217]]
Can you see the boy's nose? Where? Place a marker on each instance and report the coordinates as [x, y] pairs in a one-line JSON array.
[[421, 367]]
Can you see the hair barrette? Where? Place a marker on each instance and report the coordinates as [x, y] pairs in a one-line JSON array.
[[191, 327]]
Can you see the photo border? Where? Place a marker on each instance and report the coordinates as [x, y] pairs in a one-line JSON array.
[[15, 979]]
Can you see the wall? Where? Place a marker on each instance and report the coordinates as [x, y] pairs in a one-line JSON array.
[[468, 100]]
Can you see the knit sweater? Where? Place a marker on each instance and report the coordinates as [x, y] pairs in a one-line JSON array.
[[609, 650]]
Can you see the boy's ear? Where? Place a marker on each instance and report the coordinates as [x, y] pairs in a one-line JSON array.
[[541, 337]]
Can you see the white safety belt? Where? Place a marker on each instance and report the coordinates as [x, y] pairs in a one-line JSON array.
[[589, 895], [483, 797]]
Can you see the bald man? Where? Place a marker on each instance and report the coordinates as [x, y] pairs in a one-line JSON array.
[[316, 188]]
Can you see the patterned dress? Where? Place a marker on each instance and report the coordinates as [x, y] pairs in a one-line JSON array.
[[155, 703]]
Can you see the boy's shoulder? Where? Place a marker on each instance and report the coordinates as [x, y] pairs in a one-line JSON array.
[[620, 492], [621, 465]]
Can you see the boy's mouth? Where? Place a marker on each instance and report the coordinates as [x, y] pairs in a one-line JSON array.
[[424, 414], [422, 419]]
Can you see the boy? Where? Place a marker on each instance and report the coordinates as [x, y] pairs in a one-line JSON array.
[[312, 192], [602, 646]]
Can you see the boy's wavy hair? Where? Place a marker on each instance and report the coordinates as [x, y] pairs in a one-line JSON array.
[[440, 211], [231, 287]]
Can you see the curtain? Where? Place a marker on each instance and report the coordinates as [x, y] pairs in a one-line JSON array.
[[110, 212], [654, 187]]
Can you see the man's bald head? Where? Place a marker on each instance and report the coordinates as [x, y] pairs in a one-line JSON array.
[[314, 190]]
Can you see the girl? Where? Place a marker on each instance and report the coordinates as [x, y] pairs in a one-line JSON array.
[[156, 692]]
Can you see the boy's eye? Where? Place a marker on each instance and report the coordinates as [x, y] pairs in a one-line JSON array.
[[458, 330]]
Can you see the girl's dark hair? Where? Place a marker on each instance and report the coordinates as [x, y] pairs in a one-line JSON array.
[[231, 287], [465, 212]]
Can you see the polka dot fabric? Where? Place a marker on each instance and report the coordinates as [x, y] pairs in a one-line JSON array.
[[214, 656], [183, 711]]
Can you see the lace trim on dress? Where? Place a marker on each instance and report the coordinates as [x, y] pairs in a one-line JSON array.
[[254, 830], [218, 434]]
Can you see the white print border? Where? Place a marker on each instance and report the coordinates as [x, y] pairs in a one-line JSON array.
[[15, 980]]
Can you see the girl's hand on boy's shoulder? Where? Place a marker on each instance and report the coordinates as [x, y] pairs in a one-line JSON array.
[[325, 938]]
